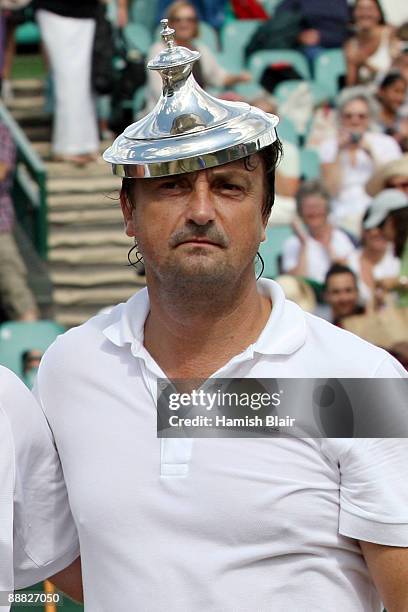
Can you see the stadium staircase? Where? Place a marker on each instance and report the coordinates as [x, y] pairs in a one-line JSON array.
[[87, 247]]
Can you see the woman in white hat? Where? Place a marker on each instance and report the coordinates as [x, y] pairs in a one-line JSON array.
[[389, 211]]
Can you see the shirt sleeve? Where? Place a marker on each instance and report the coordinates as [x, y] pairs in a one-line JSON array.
[[45, 538], [374, 482]]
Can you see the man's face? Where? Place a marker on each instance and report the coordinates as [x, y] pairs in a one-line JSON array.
[[342, 294], [314, 211], [200, 228]]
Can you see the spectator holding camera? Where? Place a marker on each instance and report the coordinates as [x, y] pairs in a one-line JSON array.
[[349, 159]]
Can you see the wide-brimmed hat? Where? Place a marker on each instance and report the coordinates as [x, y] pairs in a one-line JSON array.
[[297, 290], [384, 203], [188, 130], [379, 179]]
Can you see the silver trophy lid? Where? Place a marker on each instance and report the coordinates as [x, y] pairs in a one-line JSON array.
[[188, 130]]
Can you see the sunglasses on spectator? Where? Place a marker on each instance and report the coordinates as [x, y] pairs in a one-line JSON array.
[[358, 115], [188, 19], [392, 185]]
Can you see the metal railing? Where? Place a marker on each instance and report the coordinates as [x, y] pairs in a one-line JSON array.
[[29, 187]]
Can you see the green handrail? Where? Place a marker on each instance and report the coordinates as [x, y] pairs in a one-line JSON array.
[[30, 183]]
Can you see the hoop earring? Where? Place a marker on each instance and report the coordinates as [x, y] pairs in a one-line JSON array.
[[138, 256], [260, 259]]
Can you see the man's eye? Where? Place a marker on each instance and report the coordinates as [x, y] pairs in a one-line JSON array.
[[170, 185], [231, 187]]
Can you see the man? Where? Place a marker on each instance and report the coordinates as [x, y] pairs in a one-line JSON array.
[[341, 293], [33, 498], [215, 524], [310, 253]]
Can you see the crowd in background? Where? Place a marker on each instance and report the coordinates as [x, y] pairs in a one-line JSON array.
[[347, 254]]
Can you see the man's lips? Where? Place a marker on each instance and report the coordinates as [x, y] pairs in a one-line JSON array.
[[200, 241]]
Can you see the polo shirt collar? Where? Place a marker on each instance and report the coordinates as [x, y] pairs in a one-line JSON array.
[[283, 334]]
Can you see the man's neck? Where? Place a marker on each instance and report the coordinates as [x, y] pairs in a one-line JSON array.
[[192, 338]]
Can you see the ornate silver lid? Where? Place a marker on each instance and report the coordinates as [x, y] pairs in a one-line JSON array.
[[188, 130]]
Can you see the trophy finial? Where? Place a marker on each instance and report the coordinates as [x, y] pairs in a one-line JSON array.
[[167, 34]]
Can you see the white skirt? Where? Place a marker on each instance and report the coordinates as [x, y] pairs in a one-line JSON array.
[[69, 44]]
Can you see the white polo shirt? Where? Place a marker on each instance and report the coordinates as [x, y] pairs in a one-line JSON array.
[[216, 524], [33, 497]]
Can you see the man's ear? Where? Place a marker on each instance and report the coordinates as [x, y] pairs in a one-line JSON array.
[[127, 212]]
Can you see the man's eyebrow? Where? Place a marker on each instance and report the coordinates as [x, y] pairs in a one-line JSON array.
[[229, 173]]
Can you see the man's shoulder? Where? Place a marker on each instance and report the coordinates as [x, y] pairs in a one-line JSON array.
[[85, 337], [346, 354]]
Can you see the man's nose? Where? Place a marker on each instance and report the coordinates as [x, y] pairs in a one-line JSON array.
[[201, 206]]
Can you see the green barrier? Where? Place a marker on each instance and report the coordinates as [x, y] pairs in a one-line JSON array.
[[29, 188]]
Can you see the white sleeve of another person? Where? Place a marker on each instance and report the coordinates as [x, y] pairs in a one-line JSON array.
[[45, 538]]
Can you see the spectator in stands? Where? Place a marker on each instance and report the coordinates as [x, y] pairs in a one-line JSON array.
[[183, 18], [324, 24], [389, 211], [372, 262], [211, 11], [393, 175], [391, 96], [341, 293], [317, 245], [16, 298], [67, 30], [372, 48], [349, 160]]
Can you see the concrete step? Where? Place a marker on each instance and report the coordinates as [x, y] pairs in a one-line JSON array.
[[94, 296], [86, 237], [86, 184], [22, 86], [26, 102], [36, 133], [68, 316], [56, 169], [43, 148], [111, 215], [90, 255], [95, 277], [31, 117], [81, 201]]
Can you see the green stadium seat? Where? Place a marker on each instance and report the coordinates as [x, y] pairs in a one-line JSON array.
[[138, 36], [234, 38], [16, 337], [28, 34], [329, 66], [286, 131], [143, 12], [262, 59], [309, 164], [208, 36], [271, 249]]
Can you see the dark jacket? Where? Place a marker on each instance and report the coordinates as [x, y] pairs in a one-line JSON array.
[[329, 17]]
